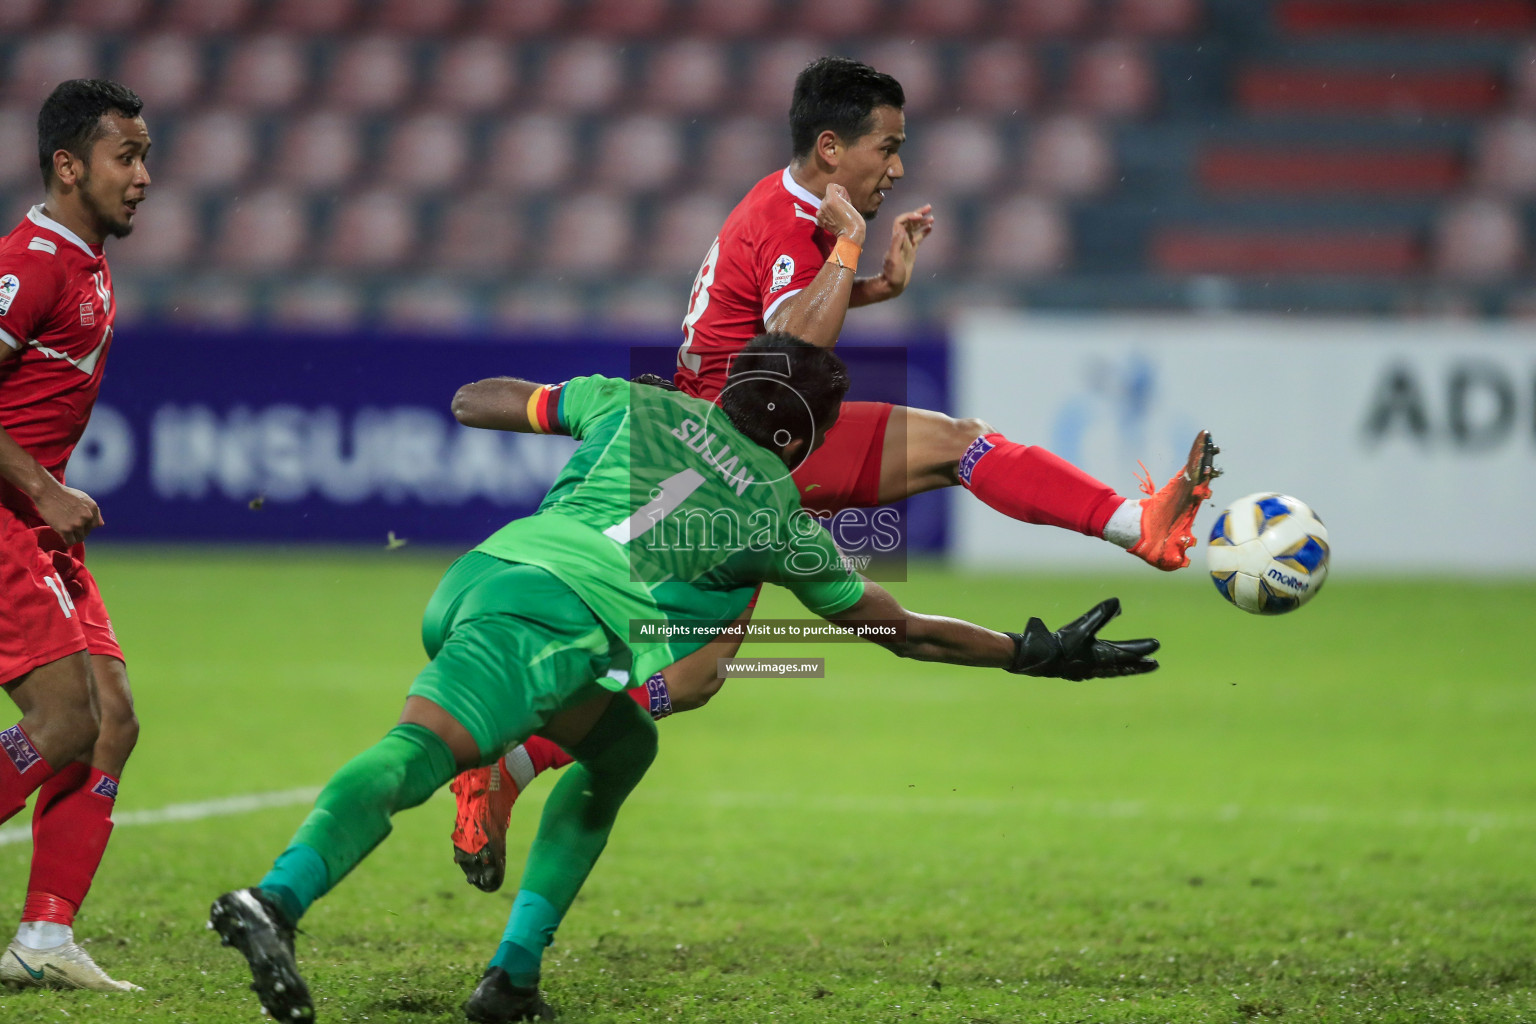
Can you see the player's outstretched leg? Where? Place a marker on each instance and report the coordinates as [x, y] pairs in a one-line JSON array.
[[1168, 516], [253, 923]]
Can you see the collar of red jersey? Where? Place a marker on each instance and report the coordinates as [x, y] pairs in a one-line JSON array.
[[47, 223], [799, 191]]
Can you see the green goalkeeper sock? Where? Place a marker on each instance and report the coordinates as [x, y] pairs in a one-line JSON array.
[[352, 813], [578, 817]]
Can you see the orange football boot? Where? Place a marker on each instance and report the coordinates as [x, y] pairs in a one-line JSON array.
[[1168, 516], [485, 797]]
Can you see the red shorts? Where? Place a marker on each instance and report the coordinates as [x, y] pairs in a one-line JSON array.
[[53, 607], [845, 472]]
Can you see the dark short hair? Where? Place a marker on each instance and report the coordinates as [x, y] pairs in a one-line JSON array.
[[841, 94], [71, 118], [775, 367]]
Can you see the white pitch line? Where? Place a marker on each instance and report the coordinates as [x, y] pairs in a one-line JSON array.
[[197, 811]]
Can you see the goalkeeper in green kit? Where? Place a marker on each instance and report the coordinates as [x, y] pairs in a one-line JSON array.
[[523, 630]]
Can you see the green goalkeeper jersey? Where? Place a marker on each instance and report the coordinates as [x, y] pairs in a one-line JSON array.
[[666, 514]]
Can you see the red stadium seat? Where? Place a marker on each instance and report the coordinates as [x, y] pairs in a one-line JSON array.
[[211, 150], [533, 153], [1314, 17], [480, 235], [626, 18], [1354, 91], [1025, 236], [318, 151], [942, 18], [372, 73], [639, 154], [1045, 18], [416, 17], [42, 62], [686, 76], [1333, 171], [265, 73], [263, 231], [168, 237], [322, 304], [427, 306], [739, 151], [165, 70], [1069, 156], [105, 15], [839, 20], [1505, 159], [1113, 78], [475, 75], [1309, 252], [914, 64], [956, 156], [999, 77], [18, 151], [1155, 17], [521, 19], [313, 17], [595, 232], [425, 151], [683, 232], [1479, 239], [582, 75], [771, 80], [371, 230], [207, 17], [16, 15], [734, 18]]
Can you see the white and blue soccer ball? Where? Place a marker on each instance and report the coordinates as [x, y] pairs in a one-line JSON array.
[[1268, 553]]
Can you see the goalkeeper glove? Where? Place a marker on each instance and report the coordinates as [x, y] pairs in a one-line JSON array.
[[1075, 652]]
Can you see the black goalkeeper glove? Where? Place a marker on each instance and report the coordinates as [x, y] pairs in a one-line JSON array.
[[655, 381], [1075, 652]]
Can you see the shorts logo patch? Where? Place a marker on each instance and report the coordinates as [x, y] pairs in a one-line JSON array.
[[87, 315], [10, 284], [19, 749], [783, 271], [106, 786], [973, 454]]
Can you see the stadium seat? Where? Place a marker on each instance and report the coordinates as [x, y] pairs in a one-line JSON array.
[[474, 75], [1045, 18], [520, 19], [638, 154], [415, 17], [105, 15], [1478, 239], [1333, 171], [1505, 156], [1069, 155], [1155, 17], [915, 65], [17, 15], [318, 151], [582, 75], [686, 76], [206, 17], [264, 73], [956, 156], [312, 17], [18, 151], [368, 74], [626, 19], [1023, 236], [317, 304], [41, 62], [1113, 78], [595, 232], [425, 151], [210, 150], [263, 231], [371, 230], [998, 77], [838, 20], [1382, 92], [208, 302], [740, 150], [166, 70], [479, 236], [732, 18], [167, 236], [426, 306], [1319, 17], [532, 153], [647, 305], [771, 79], [683, 232], [929, 19], [1306, 251], [538, 306]]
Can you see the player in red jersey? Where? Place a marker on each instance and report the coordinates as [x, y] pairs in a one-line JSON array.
[[786, 260], [59, 659]]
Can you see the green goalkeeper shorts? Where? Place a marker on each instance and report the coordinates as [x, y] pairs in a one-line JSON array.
[[511, 647]]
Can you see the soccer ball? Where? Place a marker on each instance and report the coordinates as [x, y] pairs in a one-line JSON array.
[[1268, 553]]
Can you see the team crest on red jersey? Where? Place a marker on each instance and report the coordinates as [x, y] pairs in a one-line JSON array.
[[87, 315], [783, 272], [10, 284]]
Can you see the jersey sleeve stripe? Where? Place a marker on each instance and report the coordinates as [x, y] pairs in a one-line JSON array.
[[11, 339], [776, 303]]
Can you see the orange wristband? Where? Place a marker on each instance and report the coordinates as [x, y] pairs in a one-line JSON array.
[[846, 254]]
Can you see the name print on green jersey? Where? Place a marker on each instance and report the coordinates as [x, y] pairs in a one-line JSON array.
[[702, 440]]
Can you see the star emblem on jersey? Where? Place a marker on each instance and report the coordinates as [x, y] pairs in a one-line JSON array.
[[10, 284], [783, 270]]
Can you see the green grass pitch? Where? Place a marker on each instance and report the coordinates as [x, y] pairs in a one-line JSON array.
[[1324, 817]]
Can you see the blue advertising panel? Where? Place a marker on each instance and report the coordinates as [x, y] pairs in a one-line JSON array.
[[244, 436]]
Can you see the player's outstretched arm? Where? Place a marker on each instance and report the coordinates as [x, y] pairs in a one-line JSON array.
[[1072, 652], [498, 403]]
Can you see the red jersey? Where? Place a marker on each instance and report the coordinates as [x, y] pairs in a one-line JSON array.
[[768, 250], [56, 310]]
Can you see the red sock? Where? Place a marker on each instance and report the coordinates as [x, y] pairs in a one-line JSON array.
[[70, 826], [545, 754], [1028, 483], [22, 770]]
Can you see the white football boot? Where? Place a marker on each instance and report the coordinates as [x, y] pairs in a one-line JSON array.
[[63, 966]]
